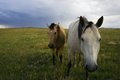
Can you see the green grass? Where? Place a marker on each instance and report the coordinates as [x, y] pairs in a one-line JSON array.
[[24, 55]]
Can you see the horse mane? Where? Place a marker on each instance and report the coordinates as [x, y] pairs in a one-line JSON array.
[[89, 25], [80, 30]]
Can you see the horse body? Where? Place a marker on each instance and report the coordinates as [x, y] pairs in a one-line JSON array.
[[57, 39], [83, 36], [61, 39]]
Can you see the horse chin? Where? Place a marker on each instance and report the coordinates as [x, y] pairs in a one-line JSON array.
[[90, 70]]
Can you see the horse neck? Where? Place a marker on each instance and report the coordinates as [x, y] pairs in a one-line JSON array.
[[61, 37]]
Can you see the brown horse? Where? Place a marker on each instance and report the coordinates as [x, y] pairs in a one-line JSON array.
[[57, 39]]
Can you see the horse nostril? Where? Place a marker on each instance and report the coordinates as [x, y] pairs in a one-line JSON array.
[[50, 46], [91, 69]]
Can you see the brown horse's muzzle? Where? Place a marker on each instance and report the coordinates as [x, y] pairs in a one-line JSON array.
[[51, 46]]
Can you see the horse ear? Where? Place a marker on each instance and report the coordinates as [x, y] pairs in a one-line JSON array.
[[99, 22], [58, 27], [82, 21]]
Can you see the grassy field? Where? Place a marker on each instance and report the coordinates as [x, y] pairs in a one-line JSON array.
[[24, 55]]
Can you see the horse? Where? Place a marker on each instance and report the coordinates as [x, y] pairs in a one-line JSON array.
[[84, 38], [57, 39]]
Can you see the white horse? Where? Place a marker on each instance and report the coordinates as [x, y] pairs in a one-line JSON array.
[[83, 36]]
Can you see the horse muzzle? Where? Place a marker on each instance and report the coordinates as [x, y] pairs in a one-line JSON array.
[[51, 46], [91, 68]]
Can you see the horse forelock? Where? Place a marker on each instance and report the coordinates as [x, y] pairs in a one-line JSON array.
[[52, 25], [88, 25], [83, 29]]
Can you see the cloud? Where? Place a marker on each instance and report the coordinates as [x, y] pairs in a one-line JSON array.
[[41, 12], [112, 21], [4, 26]]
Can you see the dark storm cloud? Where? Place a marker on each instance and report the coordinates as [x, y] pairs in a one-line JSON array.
[[38, 13]]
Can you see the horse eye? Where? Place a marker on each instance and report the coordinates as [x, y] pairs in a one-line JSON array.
[[82, 39]]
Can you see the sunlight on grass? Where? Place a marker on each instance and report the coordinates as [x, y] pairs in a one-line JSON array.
[[24, 55]]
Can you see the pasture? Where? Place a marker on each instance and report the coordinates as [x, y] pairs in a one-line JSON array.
[[24, 55]]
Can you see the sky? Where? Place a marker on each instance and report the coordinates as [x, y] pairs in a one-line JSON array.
[[39, 13]]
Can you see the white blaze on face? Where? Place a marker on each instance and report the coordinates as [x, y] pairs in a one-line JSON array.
[[90, 45]]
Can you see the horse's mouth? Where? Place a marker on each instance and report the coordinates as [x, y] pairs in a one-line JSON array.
[[51, 46]]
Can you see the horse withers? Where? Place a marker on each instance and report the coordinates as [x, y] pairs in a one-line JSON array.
[[84, 37], [57, 39]]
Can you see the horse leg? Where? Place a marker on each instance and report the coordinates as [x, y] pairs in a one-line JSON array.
[[79, 59], [57, 52], [86, 75], [69, 63], [68, 67], [74, 59], [60, 55], [53, 57], [60, 58]]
